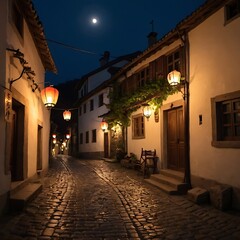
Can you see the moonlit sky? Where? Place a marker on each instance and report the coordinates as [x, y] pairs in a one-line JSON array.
[[122, 28]]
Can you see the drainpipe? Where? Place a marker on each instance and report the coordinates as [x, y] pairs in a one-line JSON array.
[[187, 177]]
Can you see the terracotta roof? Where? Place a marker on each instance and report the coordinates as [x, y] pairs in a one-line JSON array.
[[37, 31]]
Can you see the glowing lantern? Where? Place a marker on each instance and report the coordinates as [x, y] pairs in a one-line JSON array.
[[54, 135], [67, 115], [49, 96], [68, 136], [147, 111], [104, 125], [54, 141], [174, 78]]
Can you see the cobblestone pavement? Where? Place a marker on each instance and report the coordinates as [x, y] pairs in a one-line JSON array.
[[95, 199]]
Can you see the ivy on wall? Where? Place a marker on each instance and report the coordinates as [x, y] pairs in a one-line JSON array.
[[121, 107]]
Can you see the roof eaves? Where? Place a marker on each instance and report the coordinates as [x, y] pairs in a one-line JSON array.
[[37, 32]]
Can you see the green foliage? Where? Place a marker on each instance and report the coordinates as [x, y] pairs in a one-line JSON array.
[[121, 107]]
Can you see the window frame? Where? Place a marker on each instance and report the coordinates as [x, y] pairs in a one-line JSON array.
[[91, 104], [217, 139], [100, 100], [87, 137], [227, 11], [94, 135], [138, 134]]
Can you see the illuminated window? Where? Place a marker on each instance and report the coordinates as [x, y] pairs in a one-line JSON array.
[[138, 126], [226, 120]]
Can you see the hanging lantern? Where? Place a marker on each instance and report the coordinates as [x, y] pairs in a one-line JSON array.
[[174, 78], [104, 125], [68, 136], [66, 115], [54, 135], [49, 96], [147, 111], [54, 141]]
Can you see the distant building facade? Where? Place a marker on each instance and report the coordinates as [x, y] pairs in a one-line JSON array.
[[24, 120], [94, 89]]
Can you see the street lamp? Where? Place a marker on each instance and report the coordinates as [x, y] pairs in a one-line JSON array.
[[49, 96], [174, 78]]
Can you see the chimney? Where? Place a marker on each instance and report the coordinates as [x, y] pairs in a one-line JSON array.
[[105, 58], [152, 38]]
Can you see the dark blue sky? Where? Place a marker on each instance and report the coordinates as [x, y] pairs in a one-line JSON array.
[[122, 28]]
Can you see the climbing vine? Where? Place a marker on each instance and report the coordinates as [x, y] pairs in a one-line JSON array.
[[121, 107]]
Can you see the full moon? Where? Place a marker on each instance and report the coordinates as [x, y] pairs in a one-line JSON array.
[[94, 20]]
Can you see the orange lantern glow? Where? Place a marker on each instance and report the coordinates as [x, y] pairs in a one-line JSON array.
[[104, 125], [49, 96], [174, 78], [66, 115], [68, 136]]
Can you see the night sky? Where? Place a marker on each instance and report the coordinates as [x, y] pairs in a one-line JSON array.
[[122, 28]]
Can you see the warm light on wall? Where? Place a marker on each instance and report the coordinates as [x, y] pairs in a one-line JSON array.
[[66, 115], [174, 78], [49, 96], [104, 125]]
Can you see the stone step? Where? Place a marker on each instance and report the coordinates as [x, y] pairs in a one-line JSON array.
[[172, 173], [19, 198], [169, 181], [164, 187]]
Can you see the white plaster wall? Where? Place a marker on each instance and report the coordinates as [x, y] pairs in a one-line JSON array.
[[214, 70], [89, 121]]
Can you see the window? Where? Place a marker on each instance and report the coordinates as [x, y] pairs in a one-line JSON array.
[[80, 111], [138, 126], [87, 137], [17, 19], [226, 120], [173, 62], [232, 10], [91, 105], [81, 138], [94, 135], [100, 100], [142, 77], [84, 108]]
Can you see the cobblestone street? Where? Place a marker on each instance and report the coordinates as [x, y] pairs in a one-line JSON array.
[[95, 199]]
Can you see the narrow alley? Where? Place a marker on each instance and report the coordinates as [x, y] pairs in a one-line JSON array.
[[102, 200]]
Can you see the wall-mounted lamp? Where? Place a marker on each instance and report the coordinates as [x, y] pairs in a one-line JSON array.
[[174, 78], [54, 135], [104, 125], [67, 115], [49, 96], [147, 111]]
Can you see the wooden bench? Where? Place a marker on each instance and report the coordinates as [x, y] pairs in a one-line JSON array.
[[147, 160]]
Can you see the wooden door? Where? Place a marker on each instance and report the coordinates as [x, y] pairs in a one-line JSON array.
[[175, 139], [106, 151]]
